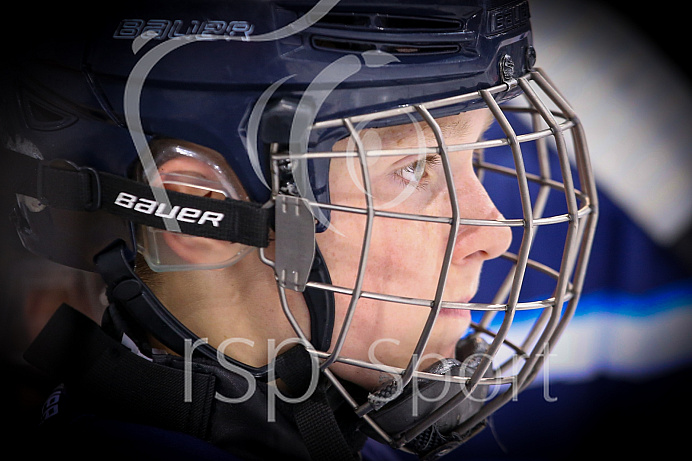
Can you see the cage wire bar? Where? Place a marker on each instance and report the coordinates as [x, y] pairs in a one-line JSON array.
[[556, 311], [580, 236], [358, 287]]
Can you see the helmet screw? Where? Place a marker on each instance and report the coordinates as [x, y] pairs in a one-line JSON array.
[[530, 57], [506, 68]]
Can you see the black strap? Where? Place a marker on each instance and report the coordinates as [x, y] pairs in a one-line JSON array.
[[85, 189], [128, 291], [320, 304], [77, 351], [314, 416], [320, 431]]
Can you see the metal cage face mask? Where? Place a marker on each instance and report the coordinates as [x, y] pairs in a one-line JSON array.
[[546, 171]]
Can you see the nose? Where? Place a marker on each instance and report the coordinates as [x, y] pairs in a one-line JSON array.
[[473, 241]]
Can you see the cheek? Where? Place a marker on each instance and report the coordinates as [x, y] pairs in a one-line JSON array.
[[404, 257], [404, 260], [408, 258]]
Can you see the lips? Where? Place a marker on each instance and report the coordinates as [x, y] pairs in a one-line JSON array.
[[453, 312], [460, 313]]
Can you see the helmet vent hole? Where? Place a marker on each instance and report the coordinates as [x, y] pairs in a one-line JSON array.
[[388, 23], [355, 46], [416, 24], [44, 116]]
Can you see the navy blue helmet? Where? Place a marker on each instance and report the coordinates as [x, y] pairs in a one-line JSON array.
[[265, 89]]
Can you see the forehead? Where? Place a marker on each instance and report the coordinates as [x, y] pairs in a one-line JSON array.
[[459, 128]]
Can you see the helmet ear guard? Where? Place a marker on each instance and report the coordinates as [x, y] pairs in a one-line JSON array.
[[62, 196], [196, 170]]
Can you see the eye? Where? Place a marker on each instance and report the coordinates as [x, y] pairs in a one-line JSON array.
[[418, 173]]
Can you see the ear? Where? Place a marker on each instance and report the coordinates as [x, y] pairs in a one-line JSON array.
[[195, 250]]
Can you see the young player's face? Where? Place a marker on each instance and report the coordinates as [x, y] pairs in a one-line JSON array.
[[405, 257]]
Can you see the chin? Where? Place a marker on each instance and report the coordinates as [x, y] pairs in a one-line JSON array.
[[451, 325], [368, 379]]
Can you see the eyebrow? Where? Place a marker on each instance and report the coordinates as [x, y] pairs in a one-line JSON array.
[[460, 127]]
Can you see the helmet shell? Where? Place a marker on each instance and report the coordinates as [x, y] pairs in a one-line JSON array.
[[204, 65]]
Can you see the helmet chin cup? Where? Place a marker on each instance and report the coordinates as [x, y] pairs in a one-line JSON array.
[[403, 413]]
